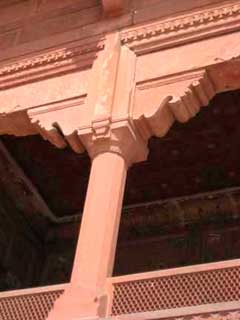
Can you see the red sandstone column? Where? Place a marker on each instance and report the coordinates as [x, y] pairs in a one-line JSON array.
[[86, 295], [95, 251]]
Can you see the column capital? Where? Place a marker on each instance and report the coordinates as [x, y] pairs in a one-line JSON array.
[[119, 137]]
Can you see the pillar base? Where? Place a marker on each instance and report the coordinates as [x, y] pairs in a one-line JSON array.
[[79, 303]]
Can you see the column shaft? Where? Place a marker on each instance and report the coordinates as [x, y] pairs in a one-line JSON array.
[[95, 251], [86, 294]]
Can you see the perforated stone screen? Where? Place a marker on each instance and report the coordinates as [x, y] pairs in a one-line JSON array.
[[176, 291], [32, 306]]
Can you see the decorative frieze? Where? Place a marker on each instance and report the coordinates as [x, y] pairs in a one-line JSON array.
[[141, 39], [38, 61], [189, 27], [49, 63]]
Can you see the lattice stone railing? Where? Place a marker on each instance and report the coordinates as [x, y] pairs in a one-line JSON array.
[[176, 288], [207, 285], [29, 304]]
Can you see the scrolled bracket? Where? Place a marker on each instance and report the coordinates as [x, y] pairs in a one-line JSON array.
[[161, 102]]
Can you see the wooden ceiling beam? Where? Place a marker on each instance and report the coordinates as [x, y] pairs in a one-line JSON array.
[[114, 7], [15, 181]]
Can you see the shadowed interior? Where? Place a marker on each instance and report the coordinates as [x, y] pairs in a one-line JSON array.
[[198, 157]]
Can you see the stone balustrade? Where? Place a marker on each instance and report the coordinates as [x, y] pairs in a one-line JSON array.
[[196, 292]]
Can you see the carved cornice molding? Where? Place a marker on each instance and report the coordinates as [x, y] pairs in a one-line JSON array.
[[48, 64], [37, 61], [202, 24], [141, 39]]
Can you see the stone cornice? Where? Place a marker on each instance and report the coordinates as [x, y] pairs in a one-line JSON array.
[[41, 60], [188, 27], [54, 62], [141, 39]]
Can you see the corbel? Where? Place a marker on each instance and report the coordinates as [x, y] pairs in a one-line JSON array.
[[161, 102], [173, 99], [58, 121]]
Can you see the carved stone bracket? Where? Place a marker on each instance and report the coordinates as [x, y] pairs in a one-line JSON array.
[[178, 98], [160, 102], [48, 120], [99, 121], [139, 94]]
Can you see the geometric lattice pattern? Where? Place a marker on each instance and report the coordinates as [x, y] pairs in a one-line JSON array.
[[35, 306], [176, 291]]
